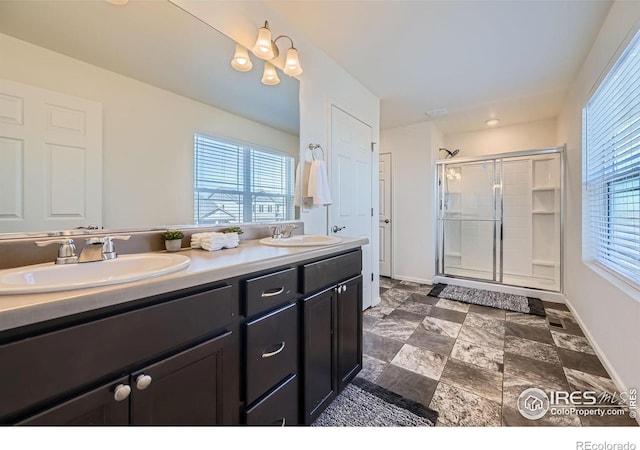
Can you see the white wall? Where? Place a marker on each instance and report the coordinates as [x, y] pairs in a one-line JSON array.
[[147, 134], [322, 84], [413, 150], [608, 309], [524, 136]]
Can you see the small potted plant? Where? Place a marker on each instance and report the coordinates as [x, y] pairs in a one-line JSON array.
[[233, 230], [173, 240]]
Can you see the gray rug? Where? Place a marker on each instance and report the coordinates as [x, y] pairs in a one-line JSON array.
[[500, 300], [364, 404]]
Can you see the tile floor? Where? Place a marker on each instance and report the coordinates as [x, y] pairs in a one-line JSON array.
[[470, 363]]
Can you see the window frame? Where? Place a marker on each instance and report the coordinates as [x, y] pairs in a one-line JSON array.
[[249, 205], [612, 161]]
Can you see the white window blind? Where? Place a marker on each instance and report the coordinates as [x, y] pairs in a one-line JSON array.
[[611, 128], [235, 183]]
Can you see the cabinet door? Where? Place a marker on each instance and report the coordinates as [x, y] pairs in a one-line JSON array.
[[96, 407], [320, 382], [189, 388], [349, 330]]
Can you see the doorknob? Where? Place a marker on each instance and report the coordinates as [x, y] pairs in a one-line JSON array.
[[385, 221], [336, 228]]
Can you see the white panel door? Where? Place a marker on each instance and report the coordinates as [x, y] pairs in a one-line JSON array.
[[51, 148], [351, 189], [384, 179]]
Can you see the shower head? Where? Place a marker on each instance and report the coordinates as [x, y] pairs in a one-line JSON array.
[[450, 154]]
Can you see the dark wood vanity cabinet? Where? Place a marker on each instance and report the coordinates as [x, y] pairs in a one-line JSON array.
[[185, 344], [349, 326], [270, 348], [185, 389], [332, 327]]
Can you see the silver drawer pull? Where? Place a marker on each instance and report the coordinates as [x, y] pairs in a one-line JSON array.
[[272, 292], [274, 353]]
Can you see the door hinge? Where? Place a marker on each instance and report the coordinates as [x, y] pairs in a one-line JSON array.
[[371, 212], [372, 144], [372, 277]]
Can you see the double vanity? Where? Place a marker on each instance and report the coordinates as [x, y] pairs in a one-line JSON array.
[[259, 335]]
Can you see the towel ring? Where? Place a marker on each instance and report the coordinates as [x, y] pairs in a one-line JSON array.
[[313, 147]]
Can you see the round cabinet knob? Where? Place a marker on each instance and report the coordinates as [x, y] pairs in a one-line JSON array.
[[121, 392], [143, 381]]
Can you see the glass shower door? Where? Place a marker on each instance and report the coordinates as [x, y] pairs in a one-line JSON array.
[[470, 214]]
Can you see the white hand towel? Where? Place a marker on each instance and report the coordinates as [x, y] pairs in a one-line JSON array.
[[303, 183], [319, 184]]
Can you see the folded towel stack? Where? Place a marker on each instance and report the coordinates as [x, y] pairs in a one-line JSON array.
[[214, 241], [231, 240]]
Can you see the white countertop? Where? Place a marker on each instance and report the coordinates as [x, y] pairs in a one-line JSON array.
[[206, 267]]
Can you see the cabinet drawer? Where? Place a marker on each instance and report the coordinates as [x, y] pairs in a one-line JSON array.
[[272, 350], [80, 355], [279, 408], [268, 291], [321, 274]]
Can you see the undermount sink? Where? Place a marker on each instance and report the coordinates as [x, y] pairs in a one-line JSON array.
[[50, 277], [304, 240]]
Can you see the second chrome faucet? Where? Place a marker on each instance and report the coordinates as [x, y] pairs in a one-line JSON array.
[[280, 232]]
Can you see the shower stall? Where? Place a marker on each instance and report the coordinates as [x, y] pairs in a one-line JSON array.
[[500, 218]]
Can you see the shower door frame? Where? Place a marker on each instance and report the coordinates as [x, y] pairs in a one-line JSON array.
[[498, 276]]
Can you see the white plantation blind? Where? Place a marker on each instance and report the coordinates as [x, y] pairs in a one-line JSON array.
[[611, 128], [235, 183]]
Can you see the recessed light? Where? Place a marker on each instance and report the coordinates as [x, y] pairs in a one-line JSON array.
[[492, 122], [118, 2]]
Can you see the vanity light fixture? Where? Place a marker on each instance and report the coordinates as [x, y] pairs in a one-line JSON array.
[[492, 122], [270, 75], [241, 61], [266, 48]]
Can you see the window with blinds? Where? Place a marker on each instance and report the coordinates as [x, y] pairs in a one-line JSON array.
[[235, 183], [611, 129]]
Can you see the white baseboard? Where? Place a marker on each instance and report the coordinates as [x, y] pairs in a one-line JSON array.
[[412, 279], [599, 352], [542, 295]]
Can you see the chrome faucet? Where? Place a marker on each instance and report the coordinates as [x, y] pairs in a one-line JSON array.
[[289, 230], [99, 249], [95, 249], [278, 232], [66, 252]]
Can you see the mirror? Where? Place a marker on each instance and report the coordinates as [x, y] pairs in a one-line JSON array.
[[161, 75]]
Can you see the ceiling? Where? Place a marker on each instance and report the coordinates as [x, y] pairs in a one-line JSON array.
[[160, 44], [514, 60]]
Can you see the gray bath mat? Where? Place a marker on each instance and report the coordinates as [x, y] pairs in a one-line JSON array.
[[365, 404], [500, 300]]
